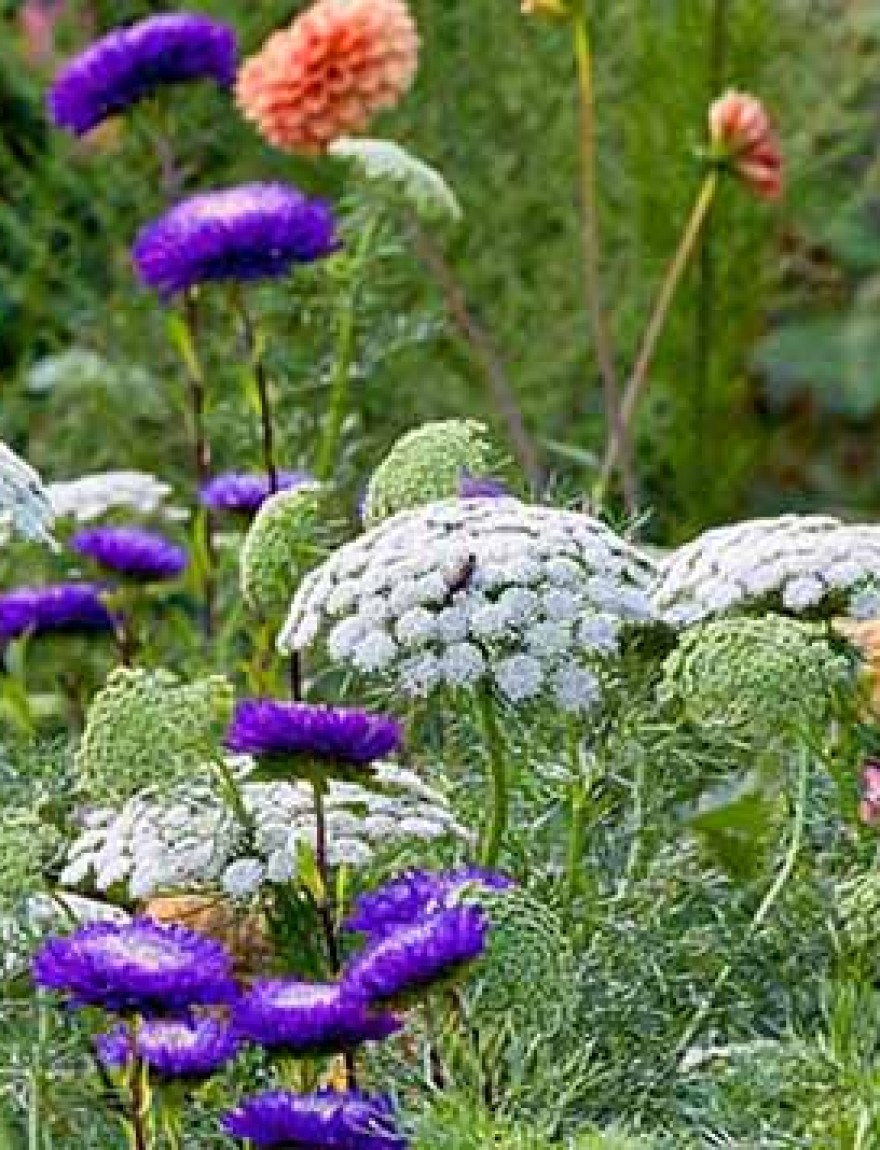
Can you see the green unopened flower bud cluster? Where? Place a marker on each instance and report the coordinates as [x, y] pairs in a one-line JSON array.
[[760, 675], [148, 725], [283, 543]]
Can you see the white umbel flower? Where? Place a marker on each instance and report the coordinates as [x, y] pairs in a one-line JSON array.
[[190, 840], [25, 506], [795, 564], [477, 591], [91, 496], [389, 163]]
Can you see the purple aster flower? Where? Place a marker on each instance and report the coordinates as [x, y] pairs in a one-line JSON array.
[[245, 493], [130, 64], [66, 607], [131, 551], [342, 735], [403, 963], [307, 1017], [481, 487], [136, 965], [414, 895], [321, 1121], [251, 232], [173, 1047]]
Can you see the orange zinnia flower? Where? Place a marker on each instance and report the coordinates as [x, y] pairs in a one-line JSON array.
[[337, 65], [743, 136]]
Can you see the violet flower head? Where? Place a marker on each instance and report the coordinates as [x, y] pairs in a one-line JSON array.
[[307, 1018], [251, 232], [191, 1048], [481, 487], [129, 64], [325, 1120], [244, 493], [132, 552], [136, 965], [415, 894], [59, 607], [404, 963], [268, 728]]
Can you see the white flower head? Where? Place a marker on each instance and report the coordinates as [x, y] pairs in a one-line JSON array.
[[91, 496], [386, 162], [24, 501], [804, 563], [476, 591]]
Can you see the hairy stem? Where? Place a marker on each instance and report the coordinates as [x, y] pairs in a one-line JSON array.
[[346, 346], [261, 382], [139, 1134], [638, 380], [484, 350], [201, 451], [704, 316], [498, 796], [614, 425], [767, 903]]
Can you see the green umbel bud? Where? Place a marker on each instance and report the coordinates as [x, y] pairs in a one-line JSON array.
[[283, 543], [756, 676], [428, 464], [147, 728]]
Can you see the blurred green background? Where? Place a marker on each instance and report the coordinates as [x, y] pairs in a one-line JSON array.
[[777, 410]]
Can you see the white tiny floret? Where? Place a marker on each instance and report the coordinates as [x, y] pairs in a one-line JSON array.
[[243, 877], [799, 594], [865, 604], [463, 665], [415, 627], [344, 638], [519, 677], [374, 652], [600, 633], [576, 689], [549, 638]]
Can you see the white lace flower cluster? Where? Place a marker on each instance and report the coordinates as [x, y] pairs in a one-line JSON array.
[[468, 591], [386, 162], [192, 840], [24, 504], [91, 496], [799, 563]]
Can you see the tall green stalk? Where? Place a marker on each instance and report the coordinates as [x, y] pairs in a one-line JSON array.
[[599, 327], [346, 347], [498, 796], [254, 348]]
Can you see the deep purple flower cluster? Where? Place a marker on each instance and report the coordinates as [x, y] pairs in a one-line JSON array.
[[138, 966], [254, 231], [188, 1048], [131, 552], [415, 894], [269, 728], [132, 63], [65, 607], [244, 493], [308, 1018], [405, 962], [321, 1121]]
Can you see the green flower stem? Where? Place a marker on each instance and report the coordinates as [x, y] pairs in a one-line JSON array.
[[767, 903], [346, 345], [579, 801], [592, 256], [254, 348], [498, 794], [638, 381], [326, 910], [139, 1101], [187, 342]]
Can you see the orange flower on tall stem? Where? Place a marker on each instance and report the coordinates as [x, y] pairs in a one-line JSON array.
[[327, 74]]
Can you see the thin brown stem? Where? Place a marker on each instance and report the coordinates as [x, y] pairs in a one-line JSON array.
[[638, 380], [261, 381], [201, 452], [484, 350], [614, 424]]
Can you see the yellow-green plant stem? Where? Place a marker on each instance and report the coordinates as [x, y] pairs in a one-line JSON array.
[[592, 256], [346, 346], [767, 903], [254, 348], [579, 797], [638, 380], [499, 791], [187, 342]]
